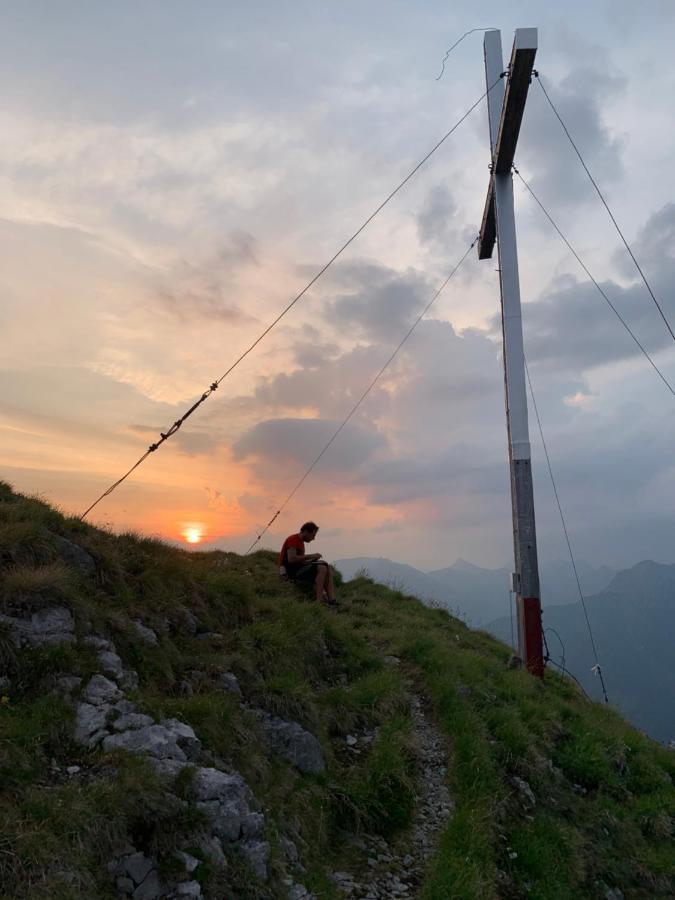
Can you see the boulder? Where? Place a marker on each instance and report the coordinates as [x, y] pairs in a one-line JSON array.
[[132, 720], [111, 664], [257, 853], [98, 642], [224, 799], [293, 743], [150, 889], [253, 825], [152, 740], [212, 784], [228, 682], [137, 866], [90, 723], [147, 635], [167, 768], [184, 736], [74, 555], [190, 862], [45, 628], [101, 690]]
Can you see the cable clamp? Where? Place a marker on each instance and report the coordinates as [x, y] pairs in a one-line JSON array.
[[153, 447], [214, 386]]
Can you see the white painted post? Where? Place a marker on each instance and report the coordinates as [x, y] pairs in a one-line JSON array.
[[506, 101]]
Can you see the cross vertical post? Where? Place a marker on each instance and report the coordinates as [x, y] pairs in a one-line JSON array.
[[507, 93]]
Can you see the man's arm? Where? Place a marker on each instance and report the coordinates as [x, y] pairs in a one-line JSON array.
[[300, 558]]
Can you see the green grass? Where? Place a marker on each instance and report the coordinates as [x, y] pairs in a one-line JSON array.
[[605, 802]]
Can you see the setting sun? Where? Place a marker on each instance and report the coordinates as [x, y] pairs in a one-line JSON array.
[[193, 534]]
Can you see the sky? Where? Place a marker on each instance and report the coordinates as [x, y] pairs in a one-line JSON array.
[[172, 174]]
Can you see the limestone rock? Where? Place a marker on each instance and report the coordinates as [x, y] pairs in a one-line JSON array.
[[253, 825], [124, 885], [45, 628], [289, 849], [98, 642], [184, 736], [526, 794], [190, 863], [152, 740], [211, 848], [212, 784], [137, 866], [101, 690], [147, 635], [228, 682], [299, 892], [90, 723], [189, 622], [189, 889], [131, 720], [112, 666], [150, 889], [293, 743], [74, 555], [257, 853], [224, 799]]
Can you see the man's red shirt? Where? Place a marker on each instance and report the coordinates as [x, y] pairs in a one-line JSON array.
[[295, 541]]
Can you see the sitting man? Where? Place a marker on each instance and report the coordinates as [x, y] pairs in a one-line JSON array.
[[297, 565]]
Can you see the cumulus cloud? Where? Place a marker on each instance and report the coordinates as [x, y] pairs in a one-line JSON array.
[[278, 443], [553, 335], [555, 172], [378, 301]]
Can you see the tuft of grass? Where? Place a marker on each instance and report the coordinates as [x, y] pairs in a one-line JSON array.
[[378, 795], [47, 582]]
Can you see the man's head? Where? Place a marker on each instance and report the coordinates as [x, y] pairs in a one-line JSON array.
[[308, 532]]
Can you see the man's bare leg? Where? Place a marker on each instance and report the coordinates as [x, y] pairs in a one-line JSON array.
[[320, 582]]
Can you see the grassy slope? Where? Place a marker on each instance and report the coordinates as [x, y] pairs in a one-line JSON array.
[[605, 798]]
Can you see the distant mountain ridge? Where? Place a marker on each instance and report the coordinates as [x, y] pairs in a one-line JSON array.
[[476, 594]]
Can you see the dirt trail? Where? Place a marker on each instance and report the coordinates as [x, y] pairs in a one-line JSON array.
[[397, 870]]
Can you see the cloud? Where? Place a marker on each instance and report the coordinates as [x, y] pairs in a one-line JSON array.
[[381, 302], [436, 221], [544, 151], [552, 324], [208, 286], [277, 444]]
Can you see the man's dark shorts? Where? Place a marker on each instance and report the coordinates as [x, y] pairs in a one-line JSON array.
[[306, 573]]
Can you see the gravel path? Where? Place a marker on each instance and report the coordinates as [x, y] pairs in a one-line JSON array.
[[396, 871]]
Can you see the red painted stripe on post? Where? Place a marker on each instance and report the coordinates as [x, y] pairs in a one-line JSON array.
[[534, 652]]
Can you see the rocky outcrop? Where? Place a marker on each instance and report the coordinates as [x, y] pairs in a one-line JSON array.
[[293, 743], [44, 628], [105, 717], [73, 555]]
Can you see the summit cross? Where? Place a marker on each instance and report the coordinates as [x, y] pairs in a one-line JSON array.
[[507, 93]]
